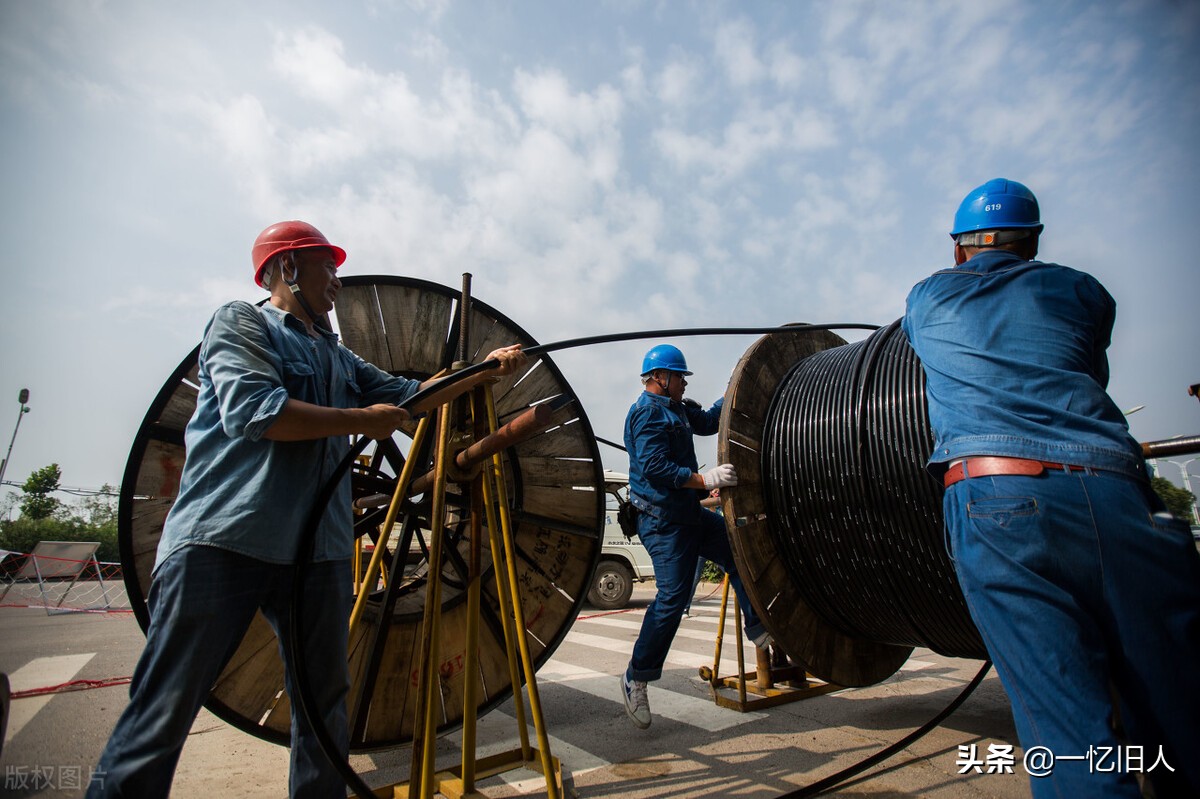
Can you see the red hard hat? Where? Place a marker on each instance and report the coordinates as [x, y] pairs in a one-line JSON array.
[[283, 236]]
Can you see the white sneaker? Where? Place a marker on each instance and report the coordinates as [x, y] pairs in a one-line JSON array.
[[763, 640], [637, 705]]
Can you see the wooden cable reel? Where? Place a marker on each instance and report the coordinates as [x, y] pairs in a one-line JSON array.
[[800, 632], [869, 516], [555, 488]]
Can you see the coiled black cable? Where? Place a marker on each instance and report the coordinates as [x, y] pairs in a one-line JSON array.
[[858, 521]]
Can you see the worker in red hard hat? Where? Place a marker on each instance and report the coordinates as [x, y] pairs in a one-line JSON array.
[[289, 237], [278, 398], [275, 254]]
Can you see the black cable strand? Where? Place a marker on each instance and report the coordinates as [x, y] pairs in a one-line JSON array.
[[612, 444], [608, 338], [880, 398], [304, 694], [832, 781]]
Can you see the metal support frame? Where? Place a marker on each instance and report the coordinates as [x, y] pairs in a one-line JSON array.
[[774, 680], [488, 498]]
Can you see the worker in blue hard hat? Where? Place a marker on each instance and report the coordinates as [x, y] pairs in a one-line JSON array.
[[666, 487], [998, 212], [1074, 573]]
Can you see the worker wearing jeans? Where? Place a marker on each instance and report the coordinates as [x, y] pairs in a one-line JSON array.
[[1076, 576], [279, 396], [202, 599], [666, 488]]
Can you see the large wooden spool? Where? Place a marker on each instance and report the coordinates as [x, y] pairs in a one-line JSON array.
[[803, 634], [555, 492]]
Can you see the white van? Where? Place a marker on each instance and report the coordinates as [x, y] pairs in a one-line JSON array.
[[622, 560]]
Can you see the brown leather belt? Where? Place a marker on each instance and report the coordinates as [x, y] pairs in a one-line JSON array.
[[989, 466]]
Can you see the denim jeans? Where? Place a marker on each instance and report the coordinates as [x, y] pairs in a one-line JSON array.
[[700, 563], [201, 601], [674, 549], [1075, 583]]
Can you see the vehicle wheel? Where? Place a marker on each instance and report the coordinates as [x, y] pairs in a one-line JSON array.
[[612, 585]]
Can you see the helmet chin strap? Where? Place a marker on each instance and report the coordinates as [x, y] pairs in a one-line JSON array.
[[294, 287]]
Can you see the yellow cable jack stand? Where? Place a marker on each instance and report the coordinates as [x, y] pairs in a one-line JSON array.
[[488, 499], [775, 680]]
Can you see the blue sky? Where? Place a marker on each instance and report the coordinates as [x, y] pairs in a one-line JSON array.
[[596, 166]]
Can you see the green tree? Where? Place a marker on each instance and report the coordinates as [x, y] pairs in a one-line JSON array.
[[7, 504], [96, 520], [93, 518], [24, 534], [38, 502], [46, 518], [99, 510], [1177, 500]]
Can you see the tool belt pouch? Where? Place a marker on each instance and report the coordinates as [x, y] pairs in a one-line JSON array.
[[627, 517]]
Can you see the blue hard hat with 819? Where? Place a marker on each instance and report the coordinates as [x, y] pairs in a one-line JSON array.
[[997, 205]]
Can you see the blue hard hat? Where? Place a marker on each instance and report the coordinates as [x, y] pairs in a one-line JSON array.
[[997, 205], [664, 356]]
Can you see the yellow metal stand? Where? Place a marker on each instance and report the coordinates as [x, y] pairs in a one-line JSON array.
[[772, 683], [488, 499], [360, 580]]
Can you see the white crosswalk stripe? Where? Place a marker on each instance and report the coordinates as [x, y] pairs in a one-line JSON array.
[[694, 710], [676, 656], [40, 673], [635, 624], [697, 710]]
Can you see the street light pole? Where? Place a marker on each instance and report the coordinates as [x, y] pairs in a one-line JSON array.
[[22, 398]]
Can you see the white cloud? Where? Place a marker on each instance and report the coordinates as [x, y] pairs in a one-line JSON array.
[[633, 83], [546, 98], [750, 139], [676, 83], [433, 9], [313, 59], [787, 69], [425, 46], [735, 49], [243, 129]]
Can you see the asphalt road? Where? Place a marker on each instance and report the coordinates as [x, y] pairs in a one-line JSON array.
[[694, 748]]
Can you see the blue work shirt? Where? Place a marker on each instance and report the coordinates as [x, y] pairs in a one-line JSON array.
[[662, 455], [1015, 364], [250, 495]]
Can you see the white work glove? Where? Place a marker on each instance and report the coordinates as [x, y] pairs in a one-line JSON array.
[[720, 476]]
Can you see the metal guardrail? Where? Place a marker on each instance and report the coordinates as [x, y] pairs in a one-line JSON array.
[[61, 585]]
